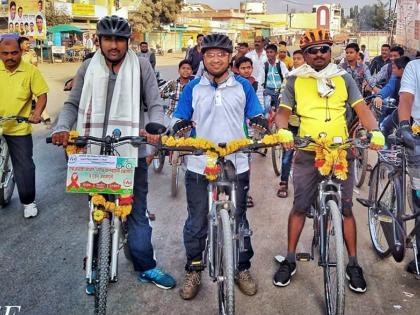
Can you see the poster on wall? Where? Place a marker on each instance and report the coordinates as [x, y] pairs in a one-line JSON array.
[[27, 18]]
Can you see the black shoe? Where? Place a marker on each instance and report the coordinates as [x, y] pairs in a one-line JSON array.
[[284, 274], [411, 267], [357, 282]]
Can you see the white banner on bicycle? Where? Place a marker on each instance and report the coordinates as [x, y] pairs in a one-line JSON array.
[[88, 173]]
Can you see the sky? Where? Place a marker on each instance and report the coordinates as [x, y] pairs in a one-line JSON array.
[[280, 6]]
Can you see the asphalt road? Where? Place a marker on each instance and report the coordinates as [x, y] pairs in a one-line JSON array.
[[41, 259]]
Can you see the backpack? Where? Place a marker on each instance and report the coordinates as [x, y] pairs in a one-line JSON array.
[[266, 64]]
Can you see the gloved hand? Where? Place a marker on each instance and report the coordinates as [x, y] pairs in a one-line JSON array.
[[404, 132], [260, 123], [377, 139], [286, 138], [182, 126]]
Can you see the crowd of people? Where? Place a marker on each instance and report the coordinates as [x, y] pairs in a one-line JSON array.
[[304, 93]]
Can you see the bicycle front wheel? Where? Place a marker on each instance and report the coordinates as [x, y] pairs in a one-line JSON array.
[[175, 174], [158, 161], [104, 246], [7, 178], [276, 155], [334, 276], [226, 270]]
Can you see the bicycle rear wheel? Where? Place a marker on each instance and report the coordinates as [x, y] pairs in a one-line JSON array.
[[226, 274], [360, 166], [276, 155], [102, 280], [334, 277]]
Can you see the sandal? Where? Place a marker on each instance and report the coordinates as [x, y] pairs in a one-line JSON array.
[[249, 202], [282, 191]]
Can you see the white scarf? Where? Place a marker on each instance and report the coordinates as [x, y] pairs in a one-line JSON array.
[[326, 86], [124, 112]]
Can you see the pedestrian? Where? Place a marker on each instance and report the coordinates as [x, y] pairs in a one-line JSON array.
[[258, 57], [194, 55], [385, 73], [190, 43], [19, 83], [128, 84], [365, 53], [146, 53], [379, 61], [298, 59], [284, 57], [90, 43], [242, 49], [29, 56]]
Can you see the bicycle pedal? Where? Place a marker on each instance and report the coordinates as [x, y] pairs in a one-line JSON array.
[[303, 256]]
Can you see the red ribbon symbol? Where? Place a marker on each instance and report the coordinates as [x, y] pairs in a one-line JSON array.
[[73, 182]]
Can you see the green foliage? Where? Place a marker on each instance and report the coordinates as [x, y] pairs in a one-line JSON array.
[[55, 17], [371, 17], [152, 13]]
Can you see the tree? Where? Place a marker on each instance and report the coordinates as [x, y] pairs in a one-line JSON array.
[[55, 16], [372, 18], [152, 13]]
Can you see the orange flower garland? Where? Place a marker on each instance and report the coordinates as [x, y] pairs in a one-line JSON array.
[[332, 159]]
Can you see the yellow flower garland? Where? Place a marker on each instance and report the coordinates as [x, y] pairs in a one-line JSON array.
[[71, 148], [325, 159], [102, 206], [416, 129]]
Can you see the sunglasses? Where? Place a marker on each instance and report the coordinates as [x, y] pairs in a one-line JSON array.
[[314, 50]]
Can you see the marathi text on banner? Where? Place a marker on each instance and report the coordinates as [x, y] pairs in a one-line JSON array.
[[27, 18]]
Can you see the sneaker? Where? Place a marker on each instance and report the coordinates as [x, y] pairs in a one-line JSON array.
[[30, 210], [411, 267], [246, 283], [284, 273], [191, 285], [90, 289], [158, 277], [357, 282]]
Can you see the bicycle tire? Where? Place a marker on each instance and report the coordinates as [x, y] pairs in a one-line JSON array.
[[6, 192], [334, 297], [276, 156], [360, 167], [174, 174], [226, 287], [102, 280], [158, 162], [379, 215]]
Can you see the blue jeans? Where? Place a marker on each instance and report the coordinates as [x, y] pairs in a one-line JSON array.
[[388, 124], [139, 229], [195, 228], [271, 98]]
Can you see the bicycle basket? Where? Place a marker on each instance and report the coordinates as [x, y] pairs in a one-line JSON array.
[[413, 168], [390, 156]]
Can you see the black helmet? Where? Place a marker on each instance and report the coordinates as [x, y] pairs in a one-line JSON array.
[[113, 26], [217, 41]]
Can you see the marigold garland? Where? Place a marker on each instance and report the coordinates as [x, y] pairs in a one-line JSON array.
[[71, 148], [327, 159], [123, 209], [416, 129]]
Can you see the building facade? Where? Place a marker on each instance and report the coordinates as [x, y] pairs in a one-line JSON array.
[[407, 32]]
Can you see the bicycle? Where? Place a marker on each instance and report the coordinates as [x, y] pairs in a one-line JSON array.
[[7, 180], [386, 203], [225, 239], [107, 227], [361, 156], [327, 220]]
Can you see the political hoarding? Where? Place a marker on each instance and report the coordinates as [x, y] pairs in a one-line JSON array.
[[27, 18]]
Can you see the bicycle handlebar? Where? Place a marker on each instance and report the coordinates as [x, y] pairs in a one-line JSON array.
[[19, 119], [83, 141], [302, 142]]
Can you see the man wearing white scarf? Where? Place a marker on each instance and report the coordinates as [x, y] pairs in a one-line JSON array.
[[320, 93], [111, 91]]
